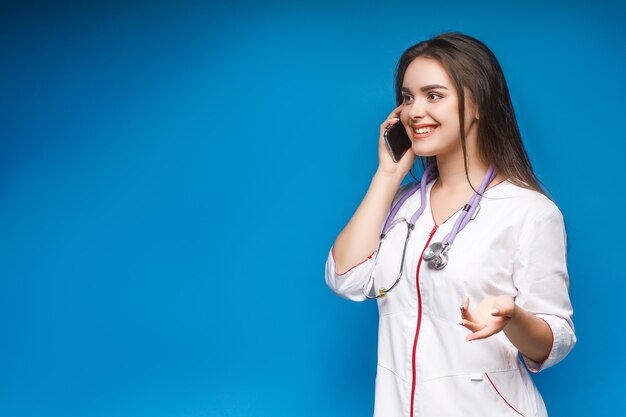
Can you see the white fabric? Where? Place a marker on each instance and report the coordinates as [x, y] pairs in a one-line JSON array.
[[515, 246]]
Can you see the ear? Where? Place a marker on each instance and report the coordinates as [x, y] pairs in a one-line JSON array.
[[475, 110], [473, 113], [476, 113], [471, 106]]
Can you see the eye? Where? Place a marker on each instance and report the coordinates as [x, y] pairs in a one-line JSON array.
[[407, 98], [435, 95]]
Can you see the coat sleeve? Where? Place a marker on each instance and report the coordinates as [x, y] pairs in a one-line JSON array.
[[349, 285], [352, 283], [541, 277]]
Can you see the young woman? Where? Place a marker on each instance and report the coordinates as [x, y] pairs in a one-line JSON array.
[[476, 286]]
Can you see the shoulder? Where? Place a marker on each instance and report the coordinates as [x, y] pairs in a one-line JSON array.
[[533, 219], [522, 202]]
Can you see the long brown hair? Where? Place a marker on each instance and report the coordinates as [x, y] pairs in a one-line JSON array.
[[471, 64]]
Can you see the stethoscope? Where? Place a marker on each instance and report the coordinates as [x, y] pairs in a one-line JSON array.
[[437, 253]]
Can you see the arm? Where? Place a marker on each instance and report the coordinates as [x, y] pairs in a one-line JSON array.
[[531, 335], [360, 237], [349, 281], [349, 261], [539, 321]]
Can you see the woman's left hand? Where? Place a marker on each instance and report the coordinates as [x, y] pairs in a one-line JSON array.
[[490, 317]]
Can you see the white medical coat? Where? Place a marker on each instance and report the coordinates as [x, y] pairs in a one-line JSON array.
[[516, 246]]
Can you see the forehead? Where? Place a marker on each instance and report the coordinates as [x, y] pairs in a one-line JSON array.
[[425, 71]]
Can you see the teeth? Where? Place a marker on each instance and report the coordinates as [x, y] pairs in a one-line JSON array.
[[424, 129]]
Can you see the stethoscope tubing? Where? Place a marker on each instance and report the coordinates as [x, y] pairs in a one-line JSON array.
[[470, 208], [436, 253]]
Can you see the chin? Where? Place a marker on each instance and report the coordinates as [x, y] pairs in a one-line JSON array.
[[424, 151]]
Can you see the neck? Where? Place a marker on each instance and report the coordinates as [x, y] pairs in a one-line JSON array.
[[452, 174]]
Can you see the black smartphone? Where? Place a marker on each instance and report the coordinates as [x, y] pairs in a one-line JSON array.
[[398, 142]]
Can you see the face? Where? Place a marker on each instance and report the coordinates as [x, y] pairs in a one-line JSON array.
[[430, 99]]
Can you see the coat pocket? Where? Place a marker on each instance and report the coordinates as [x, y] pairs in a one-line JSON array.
[[511, 390], [481, 394]]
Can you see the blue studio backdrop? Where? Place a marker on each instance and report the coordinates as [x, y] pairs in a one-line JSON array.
[[173, 174]]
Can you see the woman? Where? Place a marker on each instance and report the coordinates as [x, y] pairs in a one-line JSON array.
[[454, 339]]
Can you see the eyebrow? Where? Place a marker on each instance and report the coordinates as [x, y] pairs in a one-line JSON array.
[[426, 87]]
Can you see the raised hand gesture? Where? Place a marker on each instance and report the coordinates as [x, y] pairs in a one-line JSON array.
[[488, 318]]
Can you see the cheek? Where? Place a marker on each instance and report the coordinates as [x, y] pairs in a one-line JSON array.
[[404, 116], [451, 117]]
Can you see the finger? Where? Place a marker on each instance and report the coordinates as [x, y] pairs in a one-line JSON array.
[[474, 327], [465, 313], [394, 116], [395, 113], [465, 306], [480, 334], [389, 122]]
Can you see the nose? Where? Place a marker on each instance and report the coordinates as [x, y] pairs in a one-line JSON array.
[[417, 109]]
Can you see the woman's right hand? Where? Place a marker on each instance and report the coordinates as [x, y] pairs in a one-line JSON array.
[[386, 164]]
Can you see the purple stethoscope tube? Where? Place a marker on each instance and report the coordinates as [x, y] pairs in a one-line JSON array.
[[468, 211], [436, 253]]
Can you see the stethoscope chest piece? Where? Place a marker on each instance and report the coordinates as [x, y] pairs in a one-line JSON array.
[[435, 254]]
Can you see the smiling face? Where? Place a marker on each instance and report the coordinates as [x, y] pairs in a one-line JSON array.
[[431, 114]]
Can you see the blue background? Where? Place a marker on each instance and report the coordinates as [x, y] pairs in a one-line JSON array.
[[173, 174]]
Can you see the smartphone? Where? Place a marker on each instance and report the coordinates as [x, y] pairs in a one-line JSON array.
[[398, 142]]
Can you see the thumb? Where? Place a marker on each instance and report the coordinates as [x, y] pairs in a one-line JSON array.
[[500, 312]]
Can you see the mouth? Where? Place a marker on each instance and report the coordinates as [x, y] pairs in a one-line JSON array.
[[424, 131]]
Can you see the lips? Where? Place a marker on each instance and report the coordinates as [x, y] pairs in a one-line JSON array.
[[423, 131]]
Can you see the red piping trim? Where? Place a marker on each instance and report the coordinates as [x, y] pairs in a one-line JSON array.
[[344, 273], [498, 183], [551, 347], [419, 315], [507, 403], [419, 302]]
